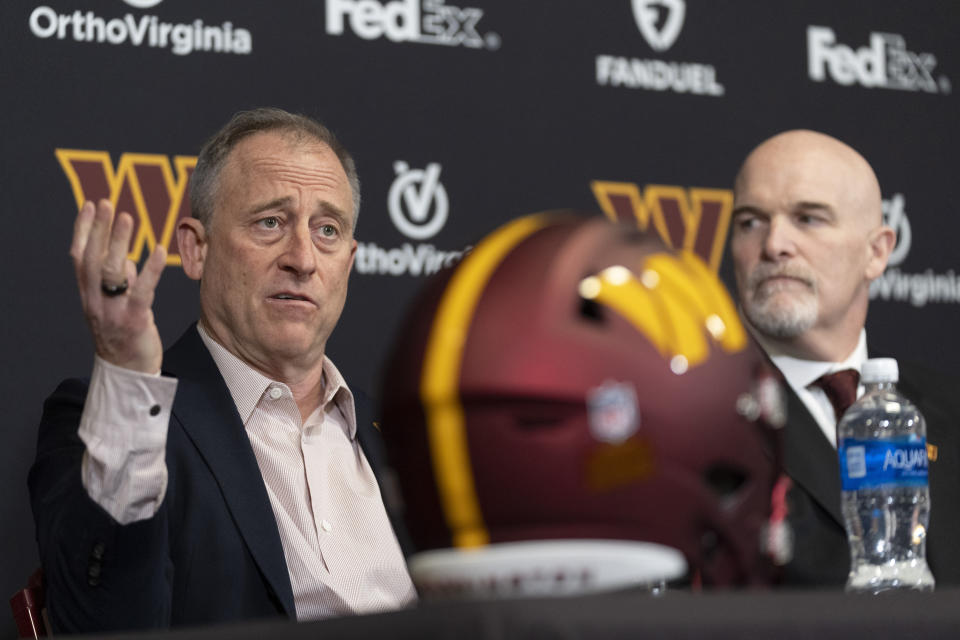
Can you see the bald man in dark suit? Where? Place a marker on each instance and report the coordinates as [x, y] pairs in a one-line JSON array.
[[807, 239]]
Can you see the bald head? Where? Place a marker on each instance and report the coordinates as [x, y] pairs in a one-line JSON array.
[[794, 162], [807, 239]]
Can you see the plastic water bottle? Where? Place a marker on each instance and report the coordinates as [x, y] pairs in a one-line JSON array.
[[882, 443]]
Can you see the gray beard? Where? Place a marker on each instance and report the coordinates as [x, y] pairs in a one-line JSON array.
[[782, 321]]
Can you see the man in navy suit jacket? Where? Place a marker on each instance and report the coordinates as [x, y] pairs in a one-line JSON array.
[[807, 239], [232, 476]]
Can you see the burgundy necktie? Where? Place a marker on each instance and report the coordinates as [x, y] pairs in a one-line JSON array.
[[841, 389]]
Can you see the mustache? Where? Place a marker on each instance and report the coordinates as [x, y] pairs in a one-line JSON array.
[[764, 272]]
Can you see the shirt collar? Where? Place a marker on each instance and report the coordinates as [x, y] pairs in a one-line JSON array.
[[247, 385], [799, 373], [335, 390]]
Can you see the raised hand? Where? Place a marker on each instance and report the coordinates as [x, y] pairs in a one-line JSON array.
[[116, 300]]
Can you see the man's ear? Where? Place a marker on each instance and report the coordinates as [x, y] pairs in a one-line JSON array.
[[881, 242], [192, 242], [353, 254]]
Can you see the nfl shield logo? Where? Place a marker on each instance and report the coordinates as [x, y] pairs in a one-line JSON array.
[[612, 412]]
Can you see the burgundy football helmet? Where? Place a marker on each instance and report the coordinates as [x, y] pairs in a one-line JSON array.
[[575, 379]]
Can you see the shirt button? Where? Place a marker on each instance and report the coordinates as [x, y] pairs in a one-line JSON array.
[[276, 392], [326, 526], [155, 410]]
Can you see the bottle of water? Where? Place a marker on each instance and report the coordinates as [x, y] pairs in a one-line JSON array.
[[882, 443]]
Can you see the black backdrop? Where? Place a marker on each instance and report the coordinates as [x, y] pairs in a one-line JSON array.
[[462, 114]]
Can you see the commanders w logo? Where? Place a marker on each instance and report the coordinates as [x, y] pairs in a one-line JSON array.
[[144, 184], [674, 301], [694, 219]]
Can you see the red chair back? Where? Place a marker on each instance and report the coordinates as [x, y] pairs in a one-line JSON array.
[[27, 605]]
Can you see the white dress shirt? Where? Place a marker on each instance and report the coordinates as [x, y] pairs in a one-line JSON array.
[[801, 374], [340, 549]]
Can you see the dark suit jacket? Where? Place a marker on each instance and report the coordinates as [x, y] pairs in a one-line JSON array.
[[821, 553], [212, 553]]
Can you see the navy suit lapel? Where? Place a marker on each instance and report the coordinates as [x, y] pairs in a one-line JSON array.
[[368, 435], [205, 409], [809, 459]]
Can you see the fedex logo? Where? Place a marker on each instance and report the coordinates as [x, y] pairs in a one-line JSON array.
[[884, 63], [422, 21]]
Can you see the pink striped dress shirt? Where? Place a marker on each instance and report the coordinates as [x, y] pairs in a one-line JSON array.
[[340, 549]]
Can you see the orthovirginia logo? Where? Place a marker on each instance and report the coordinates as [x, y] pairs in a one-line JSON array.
[[895, 217], [148, 185], [418, 202], [659, 22], [885, 63], [143, 31], [418, 206], [422, 21], [918, 289], [695, 219]]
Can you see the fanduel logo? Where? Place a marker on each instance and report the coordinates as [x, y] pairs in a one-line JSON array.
[[659, 22], [418, 206], [695, 219], [148, 185], [884, 63], [182, 39], [896, 285], [422, 21]]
